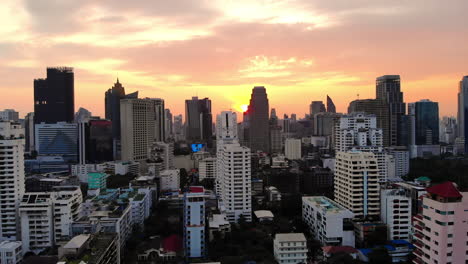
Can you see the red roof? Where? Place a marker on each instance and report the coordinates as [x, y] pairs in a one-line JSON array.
[[446, 190], [172, 244], [196, 189], [341, 249]]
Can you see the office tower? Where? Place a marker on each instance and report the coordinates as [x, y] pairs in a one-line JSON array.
[[54, 97], [29, 132], [164, 153], [357, 183], [395, 211], [178, 128], [463, 112], [273, 117], [9, 115], [328, 222], [290, 248], [440, 230], [324, 123], [82, 115], [60, 139], [235, 180], [388, 90], [12, 178], [331, 108], [276, 139], [424, 116], [292, 149], [160, 119], [401, 156], [358, 131], [138, 124], [112, 109], [448, 130], [294, 117], [258, 117], [169, 125], [194, 223], [95, 141], [377, 107], [317, 107], [198, 120]]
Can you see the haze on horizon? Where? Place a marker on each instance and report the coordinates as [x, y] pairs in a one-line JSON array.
[[300, 50]]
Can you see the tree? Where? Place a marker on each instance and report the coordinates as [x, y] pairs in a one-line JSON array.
[[380, 256]]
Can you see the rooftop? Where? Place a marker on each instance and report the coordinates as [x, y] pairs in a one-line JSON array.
[[446, 190], [263, 214], [77, 242], [291, 237], [325, 203]]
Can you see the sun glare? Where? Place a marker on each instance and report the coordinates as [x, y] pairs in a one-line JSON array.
[[244, 108]]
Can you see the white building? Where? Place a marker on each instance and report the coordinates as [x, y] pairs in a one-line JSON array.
[[395, 211], [290, 248], [194, 223], [226, 133], [235, 180], [292, 149], [60, 139], [67, 206], [11, 178], [9, 115], [357, 183], [170, 180], [401, 156], [207, 169], [11, 252], [358, 131], [141, 204], [81, 170], [165, 152], [328, 222]]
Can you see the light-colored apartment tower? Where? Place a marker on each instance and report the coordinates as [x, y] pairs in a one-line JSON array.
[[290, 248], [441, 233], [328, 222], [11, 178], [395, 211], [357, 183], [292, 149], [235, 181], [226, 133], [194, 223], [358, 131], [207, 169]]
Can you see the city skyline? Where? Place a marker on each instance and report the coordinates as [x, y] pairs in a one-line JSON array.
[[300, 49]]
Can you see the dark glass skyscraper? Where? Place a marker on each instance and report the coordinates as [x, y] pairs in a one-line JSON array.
[[54, 98], [378, 108], [199, 121], [425, 130], [98, 141], [388, 90], [463, 111], [331, 108], [258, 116]]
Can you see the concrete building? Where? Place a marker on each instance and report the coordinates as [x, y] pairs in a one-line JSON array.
[[401, 157], [9, 115], [169, 180], [163, 152], [395, 211], [328, 222], [194, 223], [218, 223], [462, 113], [11, 252], [102, 248], [235, 181], [11, 178], [376, 107], [272, 194], [257, 117], [59, 139], [317, 107], [169, 127], [357, 183], [290, 248], [358, 131], [198, 120], [324, 123], [293, 149], [440, 230], [97, 180], [67, 206], [276, 139], [29, 132], [226, 133], [207, 169]]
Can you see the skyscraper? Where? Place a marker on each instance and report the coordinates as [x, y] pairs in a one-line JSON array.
[[54, 97], [12, 178], [331, 108], [198, 119], [317, 107], [425, 122], [258, 116], [194, 223], [178, 128], [29, 132], [388, 89], [463, 112], [160, 118], [377, 107], [169, 124], [95, 141]]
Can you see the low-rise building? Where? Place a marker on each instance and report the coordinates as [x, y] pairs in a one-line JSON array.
[[290, 248], [272, 194], [169, 180], [11, 252], [218, 223], [395, 211], [101, 248], [328, 222]]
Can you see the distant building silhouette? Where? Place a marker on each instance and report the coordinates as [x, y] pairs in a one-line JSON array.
[[331, 108], [317, 107], [198, 119], [463, 112], [258, 117], [54, 98]]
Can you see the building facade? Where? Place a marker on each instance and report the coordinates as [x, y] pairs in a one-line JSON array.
[[293, 149], [194, 223], [257, 116], [59, 139], [290, 248], [395, 211]]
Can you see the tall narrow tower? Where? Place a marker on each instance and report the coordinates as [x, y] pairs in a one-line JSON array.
[[258, 116]]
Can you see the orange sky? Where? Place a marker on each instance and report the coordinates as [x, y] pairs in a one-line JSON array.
[[300, 50]]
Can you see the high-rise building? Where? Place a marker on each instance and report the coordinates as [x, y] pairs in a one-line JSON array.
[[54, 97], [226, 133], [194, 223], [137, 117], [331, 108], [258, 118], [169, 125], [440, 230], [160, 119], [82, 115], [388, 90], [424, 116], [198, 120], [276, 139], [292, 149], [112, 109], [12, 178], [29, 132], [463, 112], [178, 128], [324, 123], [448, 130], [358, 131], [401, 156], [395, 211], [377, 107], [357, 183], [235, 181], [95, 141], [207, 169], [317, 107], [9, 115], [273, 117], [164, 153], [59, 139]]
